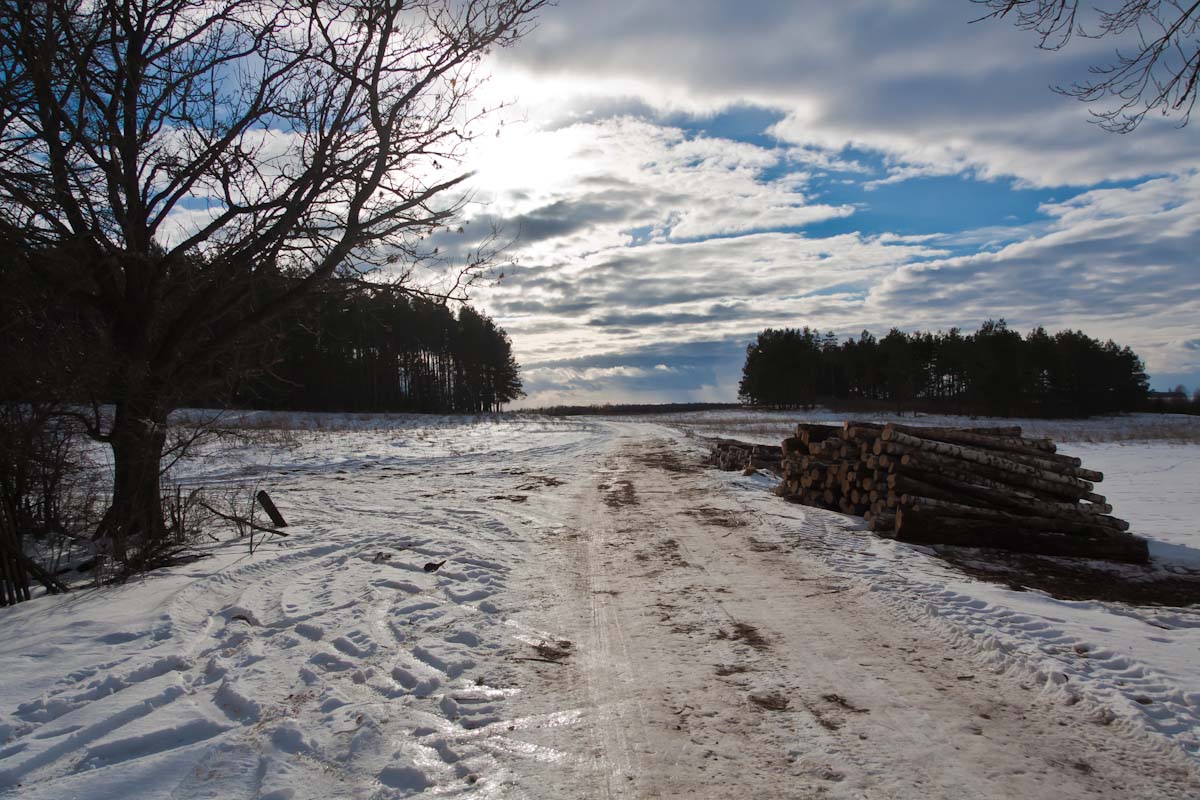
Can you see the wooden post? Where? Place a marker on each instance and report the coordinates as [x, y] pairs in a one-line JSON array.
[[265, 501]]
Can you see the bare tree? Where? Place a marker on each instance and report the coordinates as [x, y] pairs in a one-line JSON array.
[[1156, 65], [194, 168]]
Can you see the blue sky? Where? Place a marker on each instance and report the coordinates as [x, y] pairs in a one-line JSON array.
[[676, 176]]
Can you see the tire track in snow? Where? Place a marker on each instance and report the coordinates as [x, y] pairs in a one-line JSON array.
[[608, 671], [816, 688], [314, 670], [1066, 667]]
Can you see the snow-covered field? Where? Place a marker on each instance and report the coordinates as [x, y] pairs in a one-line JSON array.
[[610, 621], [769, 427]]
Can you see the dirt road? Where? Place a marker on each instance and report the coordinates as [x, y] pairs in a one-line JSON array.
[[699, 654]]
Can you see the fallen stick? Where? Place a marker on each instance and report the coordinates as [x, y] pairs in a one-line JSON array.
[[243, 521]]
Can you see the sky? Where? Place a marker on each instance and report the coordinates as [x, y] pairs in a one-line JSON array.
[[673, 176]]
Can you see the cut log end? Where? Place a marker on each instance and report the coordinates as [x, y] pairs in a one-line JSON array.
[[983, 487]]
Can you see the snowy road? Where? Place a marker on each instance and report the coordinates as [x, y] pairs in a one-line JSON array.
[[717, 661], [611, 621]]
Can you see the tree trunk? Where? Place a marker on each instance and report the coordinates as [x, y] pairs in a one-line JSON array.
[[1093, 523], [1040, 448], [964, 470], [927, 528], [809, 433], [969, 493], [135, 520], [1043, 472]]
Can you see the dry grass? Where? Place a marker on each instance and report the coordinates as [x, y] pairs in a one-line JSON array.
[[773, 426], [1172, 431], [319, 421], [751, 425]]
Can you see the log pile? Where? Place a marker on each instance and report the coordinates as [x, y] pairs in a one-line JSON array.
[[979, 487], [729, 455]]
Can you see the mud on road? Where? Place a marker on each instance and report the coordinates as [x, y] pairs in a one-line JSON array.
[[718, 659]]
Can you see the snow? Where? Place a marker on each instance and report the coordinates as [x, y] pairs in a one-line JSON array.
[[1154, 486], [608, 622], [769, 427], [1139, 663]]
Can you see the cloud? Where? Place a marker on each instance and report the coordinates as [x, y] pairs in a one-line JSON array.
[[1118, 263], [914, 80], [679, 175], [666, 288], [597, 184], [565, 217], [697, 371], [1108, 262]]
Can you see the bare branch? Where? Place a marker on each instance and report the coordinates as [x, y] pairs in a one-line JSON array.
[[1156, 71], [194, 169]]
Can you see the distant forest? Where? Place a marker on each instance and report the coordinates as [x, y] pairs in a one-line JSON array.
[[377, 349], [993, 371], [354, 346]]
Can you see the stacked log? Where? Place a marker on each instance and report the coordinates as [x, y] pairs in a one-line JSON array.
[[729, 455], [831, 467], [982, 487]]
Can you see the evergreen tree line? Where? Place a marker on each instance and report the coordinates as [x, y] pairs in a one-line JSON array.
[[352, 346], [379, 349], [993, 371]]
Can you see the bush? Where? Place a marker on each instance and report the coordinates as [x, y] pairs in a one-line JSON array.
[[50, 501]]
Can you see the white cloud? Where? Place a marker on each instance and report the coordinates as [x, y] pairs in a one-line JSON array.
[[914, 80], [619, 207], [1118, 263], [673, 185]]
